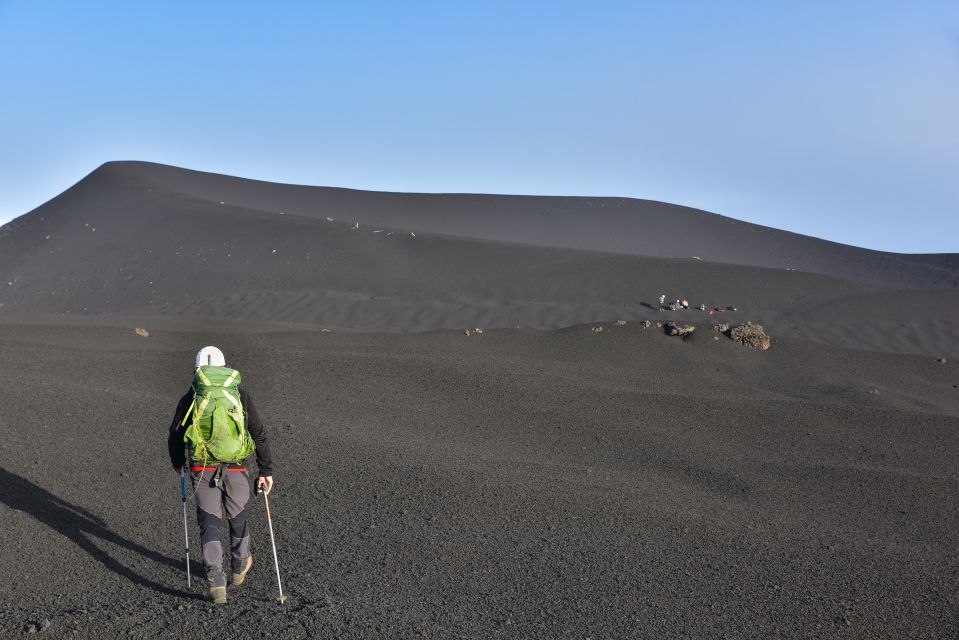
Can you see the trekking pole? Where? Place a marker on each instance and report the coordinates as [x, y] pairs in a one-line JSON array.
[[276, 563], [186, 535]]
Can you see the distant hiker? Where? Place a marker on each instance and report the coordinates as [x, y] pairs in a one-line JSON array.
[[685, 303], [215, 428], [662, 299]]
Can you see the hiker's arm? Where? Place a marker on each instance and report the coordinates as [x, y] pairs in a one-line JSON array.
[[175, 444], [264, 459]]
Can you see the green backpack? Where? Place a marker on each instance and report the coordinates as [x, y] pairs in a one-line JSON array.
[[218, 431]]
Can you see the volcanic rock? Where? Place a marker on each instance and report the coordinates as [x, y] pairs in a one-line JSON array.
[[681, 330], [750, 335]]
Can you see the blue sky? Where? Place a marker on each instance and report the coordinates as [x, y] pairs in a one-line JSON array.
[[833, 119]]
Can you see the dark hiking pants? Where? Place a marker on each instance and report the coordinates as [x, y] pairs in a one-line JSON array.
[[216, 490]]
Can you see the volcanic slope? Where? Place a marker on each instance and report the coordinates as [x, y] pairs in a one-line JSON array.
[[621, 225], [511, 484], [148, 241]]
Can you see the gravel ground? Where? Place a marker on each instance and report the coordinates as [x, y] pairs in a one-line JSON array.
[[514, 483]]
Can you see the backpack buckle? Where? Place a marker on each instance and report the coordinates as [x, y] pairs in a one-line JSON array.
[[218, 477]]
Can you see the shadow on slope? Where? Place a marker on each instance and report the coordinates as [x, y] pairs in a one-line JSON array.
[[81, 527]]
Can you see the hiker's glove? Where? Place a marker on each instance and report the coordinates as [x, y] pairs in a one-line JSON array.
[[265, 483]]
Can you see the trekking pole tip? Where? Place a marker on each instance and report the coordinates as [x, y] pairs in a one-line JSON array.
[[281, 599]]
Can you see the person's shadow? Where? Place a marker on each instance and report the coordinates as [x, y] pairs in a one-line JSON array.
[[80, 526]]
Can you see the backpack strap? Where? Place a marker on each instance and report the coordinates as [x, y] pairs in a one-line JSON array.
[[189, 411], [206, 398], [203, 403], [202, 376], [236, 404]]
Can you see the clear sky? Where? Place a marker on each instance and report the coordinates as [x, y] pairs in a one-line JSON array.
[[833, 119]]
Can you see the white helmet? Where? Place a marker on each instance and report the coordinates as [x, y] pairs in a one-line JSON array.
[[210, 356]]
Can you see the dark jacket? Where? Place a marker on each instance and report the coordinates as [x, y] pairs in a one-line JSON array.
[[178, 448]]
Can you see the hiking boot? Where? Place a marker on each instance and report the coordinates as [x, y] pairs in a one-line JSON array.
[[238, 578], [218, 595]]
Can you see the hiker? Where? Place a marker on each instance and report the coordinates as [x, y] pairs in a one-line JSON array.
[[216, 440], [662, 299], [685, 303]]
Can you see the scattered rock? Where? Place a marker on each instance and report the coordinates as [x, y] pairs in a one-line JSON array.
[[659, 324], [647, 324], [701, 307], [142, 332], [467, 332], [421, 629], [44, 625], [722, 327], [477, 330], [597, 329], [942, 361], [412, 235], [750, 335], [620, 323], [356, 226], [681, 330]]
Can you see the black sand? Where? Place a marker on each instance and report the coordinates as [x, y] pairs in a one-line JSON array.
[[508, 484], [135, 240], [562, 483]]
